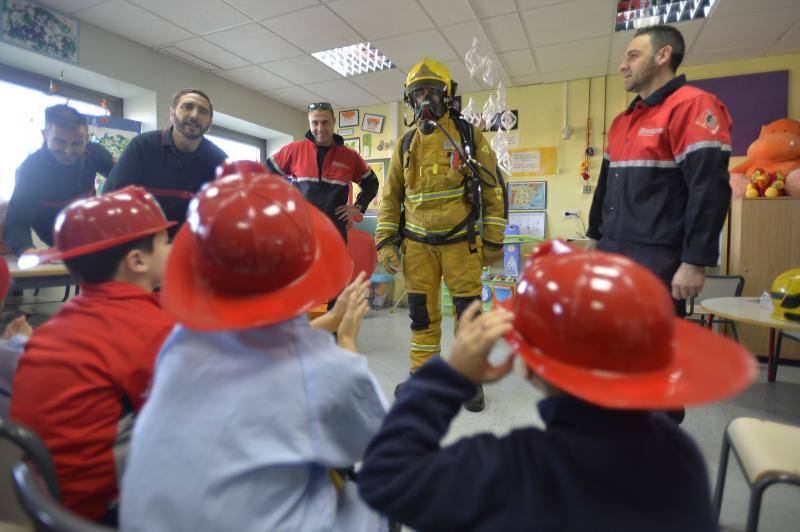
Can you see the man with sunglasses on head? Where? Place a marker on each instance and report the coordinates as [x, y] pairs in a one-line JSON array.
[[322, 167]]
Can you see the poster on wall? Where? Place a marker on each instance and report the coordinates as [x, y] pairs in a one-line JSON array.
[[530, 223], [533, 161], [114, 134], [37, 28], [380, 167], [527, 196]]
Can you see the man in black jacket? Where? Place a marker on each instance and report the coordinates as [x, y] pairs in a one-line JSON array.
[[173, 163], [62, 170]]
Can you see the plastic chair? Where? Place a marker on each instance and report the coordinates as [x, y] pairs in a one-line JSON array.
[[718, 286], [766, 452], [47, 514]]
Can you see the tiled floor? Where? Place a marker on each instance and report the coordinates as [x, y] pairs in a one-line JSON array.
[[511, 403]]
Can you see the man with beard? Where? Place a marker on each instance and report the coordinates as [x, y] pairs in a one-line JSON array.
[[172, 164], [663, 191]]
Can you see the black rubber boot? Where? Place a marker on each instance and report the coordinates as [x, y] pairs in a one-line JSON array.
[[476, 403]]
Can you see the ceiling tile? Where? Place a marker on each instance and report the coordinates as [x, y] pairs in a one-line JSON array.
[[386, 84], [568, 22], [295, 97], [303, 69], [313, 29], [518, 63], [526, 80], [461, 35], [343, 93], [198, 16], [736, 7], [70, 6], [751, 29], [259, 9], [210, 52], [189, 58], [524, 5], [255, 78], [493, 8], [571, 55], [790, 42], [730, 54], [407, 50], [505, 32], [133, 22], [447, 12], [371, 19], [254, 43], [574, 73]]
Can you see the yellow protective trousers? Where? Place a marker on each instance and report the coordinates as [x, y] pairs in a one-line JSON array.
[[424, 266]]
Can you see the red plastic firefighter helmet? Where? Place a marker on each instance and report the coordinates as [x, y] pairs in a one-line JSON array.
[[602, 328], [93, 224], [252, 252]]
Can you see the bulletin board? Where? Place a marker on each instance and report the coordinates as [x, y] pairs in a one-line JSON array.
[[530, 223]]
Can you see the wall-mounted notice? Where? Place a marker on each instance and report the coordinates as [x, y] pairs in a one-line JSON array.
[[533, 161]]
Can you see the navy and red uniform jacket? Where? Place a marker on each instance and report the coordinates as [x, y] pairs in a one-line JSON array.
[[82, 375], [152, 161], [44, 187], [590, 468], [326, 185], [664, 179]]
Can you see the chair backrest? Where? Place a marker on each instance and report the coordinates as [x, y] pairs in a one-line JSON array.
[[20, 443], [47, 514], [719, 286]]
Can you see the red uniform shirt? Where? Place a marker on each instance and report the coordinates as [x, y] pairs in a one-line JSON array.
[[82, 373]]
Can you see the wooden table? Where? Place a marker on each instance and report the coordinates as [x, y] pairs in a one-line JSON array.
[[42, 276], [749, 310]]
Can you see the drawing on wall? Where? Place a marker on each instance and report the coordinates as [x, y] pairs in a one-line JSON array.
[[39, 29], [372, 123], [348, 118], [527, 196]]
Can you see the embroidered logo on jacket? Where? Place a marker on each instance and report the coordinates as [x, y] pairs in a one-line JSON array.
[[337, 164], [708, 121], [650, 131]]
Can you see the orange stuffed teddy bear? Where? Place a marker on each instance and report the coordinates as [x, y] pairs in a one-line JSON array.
[[772, 167]]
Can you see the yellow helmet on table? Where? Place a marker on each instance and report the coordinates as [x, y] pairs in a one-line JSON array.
[[785, 293]]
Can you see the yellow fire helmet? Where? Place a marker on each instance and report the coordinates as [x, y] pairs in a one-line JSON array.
[[429, 73], [785, 293]]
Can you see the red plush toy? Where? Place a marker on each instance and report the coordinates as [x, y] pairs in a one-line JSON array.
[[772, 167]]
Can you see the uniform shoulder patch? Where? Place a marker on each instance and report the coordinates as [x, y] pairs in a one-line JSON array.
[[708, 120]]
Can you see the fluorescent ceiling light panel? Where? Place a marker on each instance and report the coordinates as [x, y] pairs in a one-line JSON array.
[[354, 59], [635, 14]]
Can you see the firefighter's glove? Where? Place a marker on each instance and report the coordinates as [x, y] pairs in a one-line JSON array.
[[388, 258], [491, 253]]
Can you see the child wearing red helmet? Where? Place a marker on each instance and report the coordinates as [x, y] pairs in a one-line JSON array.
[[599, 337], [86, 371], [252, 410]]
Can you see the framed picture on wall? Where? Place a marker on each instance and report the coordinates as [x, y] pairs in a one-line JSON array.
[[372, 123], [36, 27], [530, 223], [346, 132], [348, 118], [354, 144], [527, 196]]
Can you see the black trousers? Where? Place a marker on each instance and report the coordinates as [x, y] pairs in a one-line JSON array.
[[662, 261]]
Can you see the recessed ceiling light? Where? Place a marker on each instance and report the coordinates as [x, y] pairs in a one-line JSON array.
[[634, 14], [355, 59]]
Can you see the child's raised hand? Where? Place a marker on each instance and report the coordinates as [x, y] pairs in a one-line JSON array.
[[356, 308], [18, 325], [476, 336]]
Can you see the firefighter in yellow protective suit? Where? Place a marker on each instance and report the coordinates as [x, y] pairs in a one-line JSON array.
[[435, 195]]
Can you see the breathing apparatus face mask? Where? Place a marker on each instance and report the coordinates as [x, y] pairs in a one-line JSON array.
[[429, 106]]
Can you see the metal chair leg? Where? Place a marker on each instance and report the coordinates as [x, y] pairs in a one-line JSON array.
[[716, 500], [735, 331], [754, 508]]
